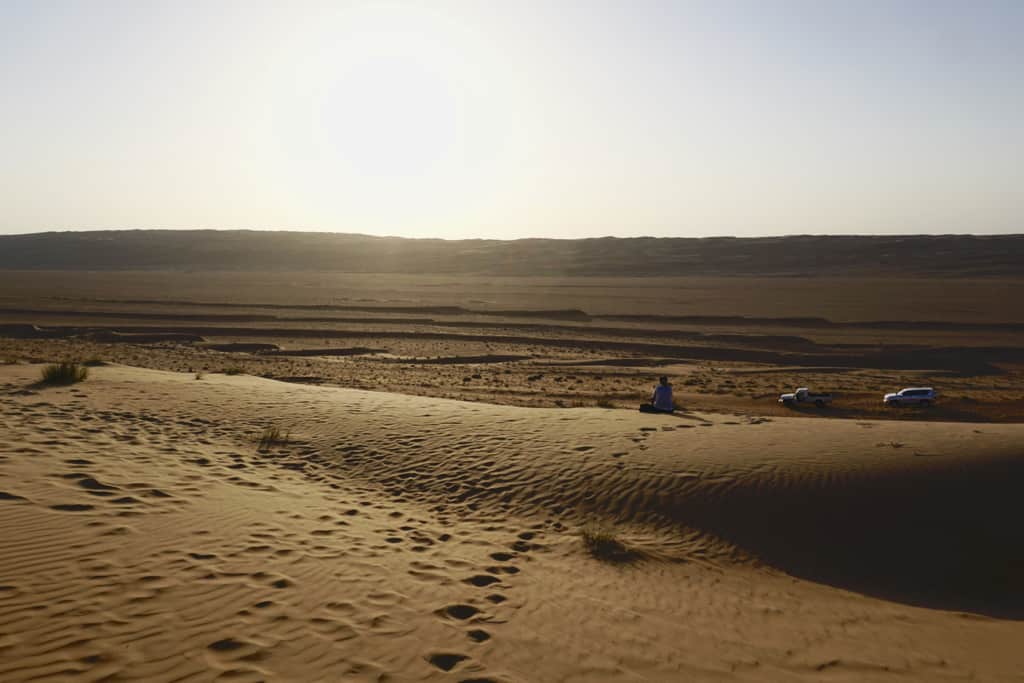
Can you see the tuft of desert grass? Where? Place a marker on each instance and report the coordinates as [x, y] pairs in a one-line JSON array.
[[602, 542], [64, 373], [272, 436]]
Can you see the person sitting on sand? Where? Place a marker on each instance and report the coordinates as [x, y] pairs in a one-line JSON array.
[[661, 400]]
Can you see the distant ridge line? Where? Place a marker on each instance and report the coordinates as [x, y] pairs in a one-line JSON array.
[[247, 250], [567, 315]]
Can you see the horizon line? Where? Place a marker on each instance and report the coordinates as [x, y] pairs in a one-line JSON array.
[[520, 239]]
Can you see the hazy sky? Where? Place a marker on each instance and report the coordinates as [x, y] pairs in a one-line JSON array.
[[513, 119]]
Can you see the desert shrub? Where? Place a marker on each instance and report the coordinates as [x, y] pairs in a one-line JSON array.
[[603, 543], [199, 375], [64, 373], [272, 436], [234, 370]]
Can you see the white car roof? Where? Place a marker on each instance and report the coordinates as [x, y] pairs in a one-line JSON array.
[[917, 389]]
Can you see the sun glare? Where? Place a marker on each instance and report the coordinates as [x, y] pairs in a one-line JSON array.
[[391, 120]]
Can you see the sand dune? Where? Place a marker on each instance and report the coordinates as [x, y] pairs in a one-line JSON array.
[[414, 538]]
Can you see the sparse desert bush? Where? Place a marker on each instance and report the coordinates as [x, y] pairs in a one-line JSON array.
[[234, 370], [603, 543], [272, 436], [199, 375], [560, 403], [64, 373]]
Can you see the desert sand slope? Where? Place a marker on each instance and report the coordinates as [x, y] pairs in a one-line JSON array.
[[398, 538]]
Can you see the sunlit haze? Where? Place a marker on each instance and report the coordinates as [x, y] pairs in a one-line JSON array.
[[506, 120]]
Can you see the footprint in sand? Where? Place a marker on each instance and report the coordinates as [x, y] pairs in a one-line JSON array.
[[202, 556], [95, 485], [482, 580], [458, 611], [230, 649], [446, 661], [225, 645]]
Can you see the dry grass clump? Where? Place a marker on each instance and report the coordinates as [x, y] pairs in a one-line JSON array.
[[272, 436], [64, 373], [234, 370], [603, 543]]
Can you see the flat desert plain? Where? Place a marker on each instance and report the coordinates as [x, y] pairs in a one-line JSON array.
[[321, 477]]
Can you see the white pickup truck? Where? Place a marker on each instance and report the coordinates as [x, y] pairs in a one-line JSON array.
[[804, 395]]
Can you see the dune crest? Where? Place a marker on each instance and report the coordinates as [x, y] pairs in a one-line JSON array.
[[148, 536]]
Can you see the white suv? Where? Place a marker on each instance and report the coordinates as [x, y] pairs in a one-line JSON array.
[[915, 396]]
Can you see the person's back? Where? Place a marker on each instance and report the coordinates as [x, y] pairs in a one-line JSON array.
[[663, 397]]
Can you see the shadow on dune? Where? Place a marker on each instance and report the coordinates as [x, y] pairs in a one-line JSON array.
[[948, 535], [937, 529]]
